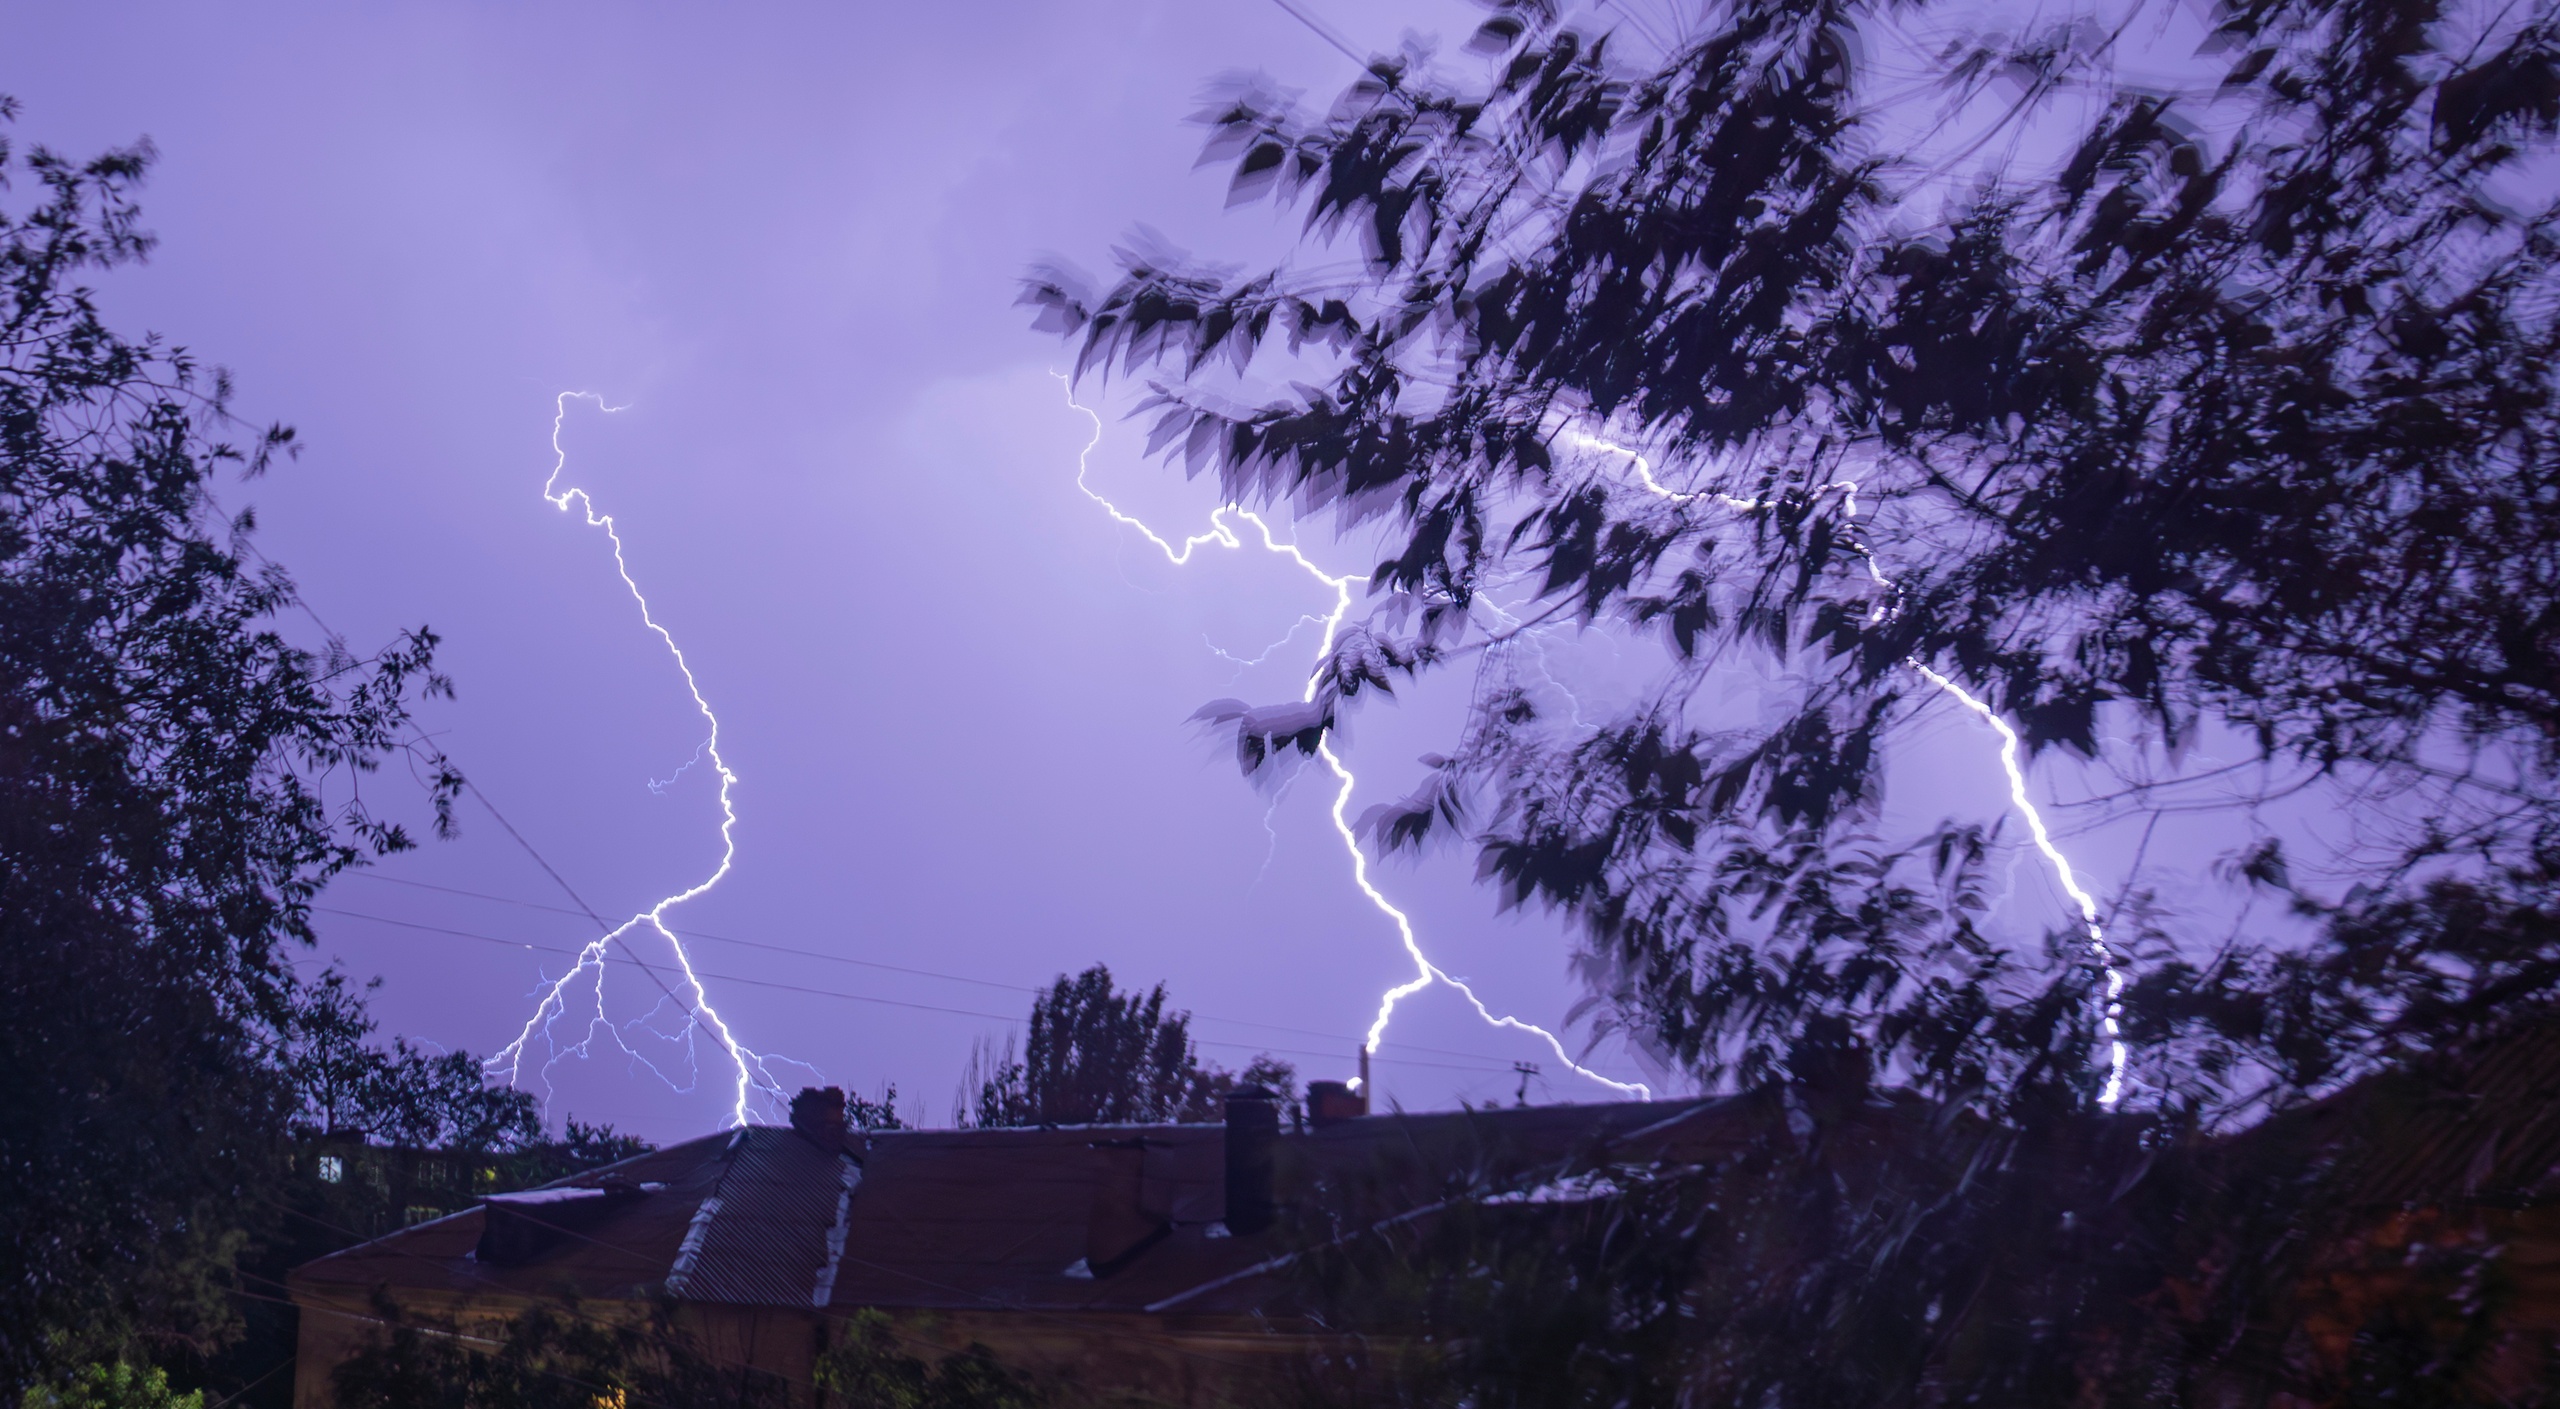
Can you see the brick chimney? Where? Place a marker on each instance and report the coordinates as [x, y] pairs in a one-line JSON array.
[[818, 1114], [1253, 1145], [1332, 1102]]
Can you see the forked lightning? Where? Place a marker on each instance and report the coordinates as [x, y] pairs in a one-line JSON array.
[[700, 1016], [2111, 1011], [1222, 534]]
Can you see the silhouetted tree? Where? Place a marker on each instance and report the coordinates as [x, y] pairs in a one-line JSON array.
[[2155, 376], [865, 1367], [397, 1095], [2233, 418], [561, 1354], [1097, 1056], [555, 1355], [176, 781]]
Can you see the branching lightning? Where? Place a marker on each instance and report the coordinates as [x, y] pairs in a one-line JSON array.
[[2111, 1015], [1243, 663], [2111, 1012], [1224, 535], [749, 1065]]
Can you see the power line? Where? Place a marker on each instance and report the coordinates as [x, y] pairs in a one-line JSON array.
[[583, 907], [731, 939], [590, 914], [1322, 31], [825, 957], [835, 993]]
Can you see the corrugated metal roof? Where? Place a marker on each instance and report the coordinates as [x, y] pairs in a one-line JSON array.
[[2480, 1123], [998, 1218], [626, 1254], [766, 1244], [1018, 1219], [971, 1218]]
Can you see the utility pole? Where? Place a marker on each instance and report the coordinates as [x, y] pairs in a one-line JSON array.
[[1526, 1070]]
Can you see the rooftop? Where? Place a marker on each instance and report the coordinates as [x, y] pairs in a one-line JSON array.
[[1077, 1218]]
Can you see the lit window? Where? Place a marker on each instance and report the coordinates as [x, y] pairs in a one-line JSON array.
[[420, 1213], [332, 1169]]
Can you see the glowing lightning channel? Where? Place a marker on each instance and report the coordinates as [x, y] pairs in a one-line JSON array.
[[1426, 973], [2110, 1018], [750, 1065], [2112, 1013]]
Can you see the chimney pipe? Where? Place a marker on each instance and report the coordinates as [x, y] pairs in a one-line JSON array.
[[1253, 1140], [818, 1114], [1333, 1102]]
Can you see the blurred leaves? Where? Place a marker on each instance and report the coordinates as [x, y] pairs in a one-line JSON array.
[[2237, 413], [177, 780], [552, 1355]]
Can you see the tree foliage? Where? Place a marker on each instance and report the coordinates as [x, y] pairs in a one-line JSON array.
[[350, 1085], [1097, 1056], [177, 779], [112, 1385], [570, 1355], [866, 1367], [2167, 380], [1854, 1246], [1778, 344], [554, 1355]]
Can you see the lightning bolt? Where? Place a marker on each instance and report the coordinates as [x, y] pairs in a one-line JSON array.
[[749, 1065], [1223, 534], [2111, 1016], [2111, 1012]]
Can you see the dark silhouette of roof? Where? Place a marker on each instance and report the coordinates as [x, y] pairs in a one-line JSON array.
[[2479, 1122], [1070, 1219], [1130, 1219]]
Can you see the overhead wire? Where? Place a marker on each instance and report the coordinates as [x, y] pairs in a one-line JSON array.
[[848, 959], [235, 1396], [743, 943], [1482, 1064], [1322, 31]]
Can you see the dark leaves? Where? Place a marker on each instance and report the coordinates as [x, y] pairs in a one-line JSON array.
[[1264, 732], [2235, 414], [1098, 1056], [2513, 93], [177, 780]]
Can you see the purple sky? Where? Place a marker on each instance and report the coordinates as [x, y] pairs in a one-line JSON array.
[[954, 691]]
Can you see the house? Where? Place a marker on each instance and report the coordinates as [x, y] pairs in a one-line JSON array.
[[1138, 1260], [1152, 1262], [2444, 1176]]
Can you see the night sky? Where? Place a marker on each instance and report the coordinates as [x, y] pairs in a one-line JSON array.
[[786, 238]]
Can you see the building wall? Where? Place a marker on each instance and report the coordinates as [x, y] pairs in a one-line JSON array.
[[772, 1341], [1080, 1359], [1105, 1359], [330, 1331]]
